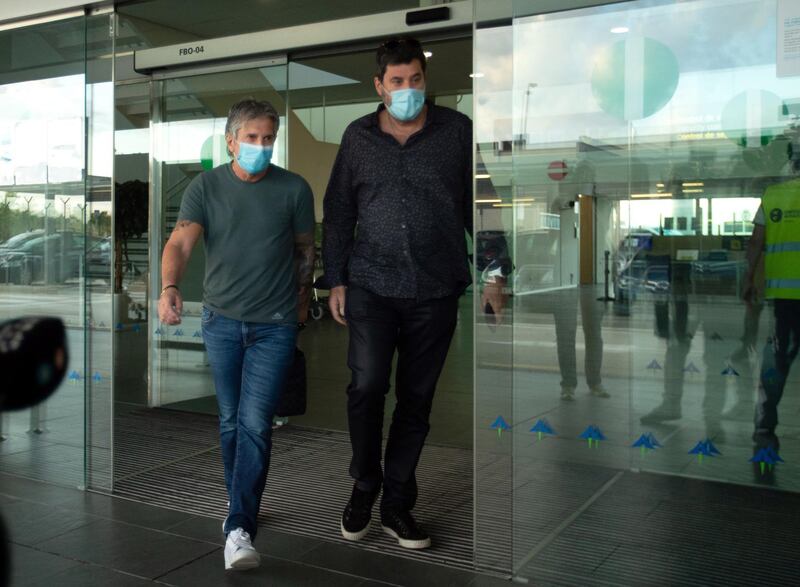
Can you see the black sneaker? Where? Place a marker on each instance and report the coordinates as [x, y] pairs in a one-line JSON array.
[[357, 514], [401, 525]]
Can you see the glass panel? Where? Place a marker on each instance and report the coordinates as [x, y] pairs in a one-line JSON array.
[[635, 157], [131, 263], [131, 269], [189, 137], [494, 350], [43, 231], [97, 216], [325, 95]]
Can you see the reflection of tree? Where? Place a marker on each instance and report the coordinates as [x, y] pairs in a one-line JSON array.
[[99, 223], [130, 221], [14, 221], [5, 219]]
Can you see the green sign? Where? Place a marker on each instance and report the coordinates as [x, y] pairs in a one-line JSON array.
[[634, 78]]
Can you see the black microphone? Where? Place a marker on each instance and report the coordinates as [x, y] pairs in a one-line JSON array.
[[33, 360]]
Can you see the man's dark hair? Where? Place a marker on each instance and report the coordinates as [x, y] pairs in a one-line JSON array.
[[396, 51]]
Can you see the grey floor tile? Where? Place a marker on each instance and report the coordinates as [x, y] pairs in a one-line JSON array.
[[37, 491], [209, 571], [489, 581], [30, 523], [130, 549], [269, 542], [131, 512], [381, 567], [85, 575], [31, 567]]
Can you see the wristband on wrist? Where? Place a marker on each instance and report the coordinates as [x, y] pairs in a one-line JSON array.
[[166, 287]]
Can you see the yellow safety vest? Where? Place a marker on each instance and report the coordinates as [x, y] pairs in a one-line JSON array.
[[781, 205]]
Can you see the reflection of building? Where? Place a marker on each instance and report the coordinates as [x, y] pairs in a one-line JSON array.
[[572, 162]]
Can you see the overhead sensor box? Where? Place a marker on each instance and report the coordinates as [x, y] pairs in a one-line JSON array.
[[428, 15]]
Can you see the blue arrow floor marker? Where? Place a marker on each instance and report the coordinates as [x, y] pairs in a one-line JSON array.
[[542, 427], [767, 458], [646, 442], [704, 448], [730, 371], [593, 433], [500, 424], [691, 368], [654, 366]]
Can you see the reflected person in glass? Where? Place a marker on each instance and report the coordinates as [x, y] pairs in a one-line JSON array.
[[404, 176], [257, 223], [727, 337], [776, 237]]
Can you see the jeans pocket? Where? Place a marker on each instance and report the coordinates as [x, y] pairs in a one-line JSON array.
[[207, 316]]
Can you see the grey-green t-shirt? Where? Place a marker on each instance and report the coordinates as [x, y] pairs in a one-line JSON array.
[[249, 231]]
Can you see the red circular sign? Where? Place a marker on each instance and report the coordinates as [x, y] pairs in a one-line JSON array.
[[558, 170]]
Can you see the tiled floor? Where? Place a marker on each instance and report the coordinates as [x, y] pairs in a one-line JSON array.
[[65, 537]]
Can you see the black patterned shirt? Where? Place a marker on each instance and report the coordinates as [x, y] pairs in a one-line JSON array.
[[396, 216]]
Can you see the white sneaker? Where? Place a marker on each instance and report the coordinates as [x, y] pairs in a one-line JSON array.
[[239, 552]]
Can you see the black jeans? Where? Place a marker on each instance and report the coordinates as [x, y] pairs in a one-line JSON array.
[[779, 353], [420, 332]]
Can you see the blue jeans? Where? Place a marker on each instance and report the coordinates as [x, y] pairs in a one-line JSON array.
[[249, 361]]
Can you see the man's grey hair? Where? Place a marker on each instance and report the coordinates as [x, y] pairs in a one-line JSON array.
[[249, 109]]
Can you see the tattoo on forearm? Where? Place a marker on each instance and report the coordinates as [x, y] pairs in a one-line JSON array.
[[304, 258], [304, 262], [182, 224]]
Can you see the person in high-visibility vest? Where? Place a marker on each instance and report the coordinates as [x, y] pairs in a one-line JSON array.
[[776, 235]]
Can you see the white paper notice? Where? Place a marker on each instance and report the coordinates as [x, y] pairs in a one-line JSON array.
[[788, 58]]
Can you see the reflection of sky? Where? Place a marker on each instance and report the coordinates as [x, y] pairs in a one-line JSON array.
[[41, 131], [101, 131], [723, 47]]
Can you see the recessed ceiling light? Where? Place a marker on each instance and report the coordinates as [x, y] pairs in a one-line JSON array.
[[618, 30]]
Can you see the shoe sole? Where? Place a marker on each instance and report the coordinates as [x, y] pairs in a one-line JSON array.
[[243, 565], [406, 543], [353, 536]]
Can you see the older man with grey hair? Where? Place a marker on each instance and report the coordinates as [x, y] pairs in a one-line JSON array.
[[257, 222]]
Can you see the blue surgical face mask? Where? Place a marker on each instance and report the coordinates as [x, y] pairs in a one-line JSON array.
[[406, 104], [253, 158]]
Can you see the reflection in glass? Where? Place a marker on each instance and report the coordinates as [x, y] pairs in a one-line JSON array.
[[645, 133]]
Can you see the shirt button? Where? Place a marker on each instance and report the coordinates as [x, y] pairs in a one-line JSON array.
[[402, 226]]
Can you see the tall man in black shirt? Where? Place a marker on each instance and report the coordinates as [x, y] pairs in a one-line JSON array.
[[403, 176]]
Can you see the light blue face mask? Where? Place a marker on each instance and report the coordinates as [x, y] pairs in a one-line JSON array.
[[406, 104], [253, 158]]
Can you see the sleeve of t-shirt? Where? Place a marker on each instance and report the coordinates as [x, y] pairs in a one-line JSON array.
[[192, 208], [303, 221], [759, 217]]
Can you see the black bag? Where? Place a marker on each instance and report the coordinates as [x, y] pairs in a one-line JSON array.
[[293, 398]]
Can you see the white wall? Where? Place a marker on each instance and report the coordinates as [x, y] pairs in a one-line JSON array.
[[569, 247], [607, 235], [16, 9]]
